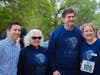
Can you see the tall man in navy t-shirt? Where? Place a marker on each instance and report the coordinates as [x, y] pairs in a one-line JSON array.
[[64, 46]]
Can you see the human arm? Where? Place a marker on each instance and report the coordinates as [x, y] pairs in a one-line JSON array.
[[52, 52], [20, 63]]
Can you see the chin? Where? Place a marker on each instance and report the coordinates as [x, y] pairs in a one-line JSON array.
[[88, 38], [36, 45], [71, 24], [16, 38]]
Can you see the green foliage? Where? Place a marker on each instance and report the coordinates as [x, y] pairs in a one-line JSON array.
[[44, 14], [86, 11], [97, 20]]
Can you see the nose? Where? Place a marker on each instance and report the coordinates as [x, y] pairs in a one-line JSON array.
[[18, 32], [71, 17]]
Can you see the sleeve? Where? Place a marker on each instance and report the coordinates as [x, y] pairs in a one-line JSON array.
[[52, 53], [1, 53], [97, 63], [20, 63]]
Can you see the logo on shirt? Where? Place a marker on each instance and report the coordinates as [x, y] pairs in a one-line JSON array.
[[40, 58], [89, 54], [72, 42]]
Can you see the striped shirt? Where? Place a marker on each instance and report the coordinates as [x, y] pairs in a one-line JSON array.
[[9, 54]]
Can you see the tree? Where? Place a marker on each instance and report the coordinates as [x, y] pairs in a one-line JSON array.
[[45, 14]]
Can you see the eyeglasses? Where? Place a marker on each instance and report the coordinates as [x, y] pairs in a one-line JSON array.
[[34, 38]]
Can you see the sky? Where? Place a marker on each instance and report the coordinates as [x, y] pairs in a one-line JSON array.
[[98, 10], [98, 0]]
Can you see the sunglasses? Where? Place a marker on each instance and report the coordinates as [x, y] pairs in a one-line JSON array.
[[34, 38]]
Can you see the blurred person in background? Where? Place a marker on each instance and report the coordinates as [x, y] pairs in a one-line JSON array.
[[98, 33], [20, 39]]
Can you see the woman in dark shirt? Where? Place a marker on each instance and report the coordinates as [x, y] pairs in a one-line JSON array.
[[90, 52], [33, 58]]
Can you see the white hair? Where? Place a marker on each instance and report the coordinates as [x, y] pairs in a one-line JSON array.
[[30, 34]]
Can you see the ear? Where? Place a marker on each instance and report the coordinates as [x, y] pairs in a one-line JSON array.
[[7, 31], [63, 19]]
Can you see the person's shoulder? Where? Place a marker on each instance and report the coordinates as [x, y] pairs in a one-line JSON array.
[[43, 48], [2, 46], [57, 30], [77, 29], [98, 41], [25, 49], [2, 42], [84, 43]]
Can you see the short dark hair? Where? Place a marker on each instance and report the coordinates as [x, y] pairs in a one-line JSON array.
[[67, 11], [12, 23]]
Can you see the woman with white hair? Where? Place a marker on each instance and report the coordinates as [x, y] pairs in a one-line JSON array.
[[33, 58]]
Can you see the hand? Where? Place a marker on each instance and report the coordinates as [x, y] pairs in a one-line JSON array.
[[56, 73]]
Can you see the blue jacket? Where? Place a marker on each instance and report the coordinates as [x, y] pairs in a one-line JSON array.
[[64, 49]]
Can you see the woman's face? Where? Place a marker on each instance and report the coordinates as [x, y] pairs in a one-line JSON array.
[[88, 33], [35, 39]]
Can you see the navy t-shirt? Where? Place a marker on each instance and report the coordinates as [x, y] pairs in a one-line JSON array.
[[90, 58], [32, 61]]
